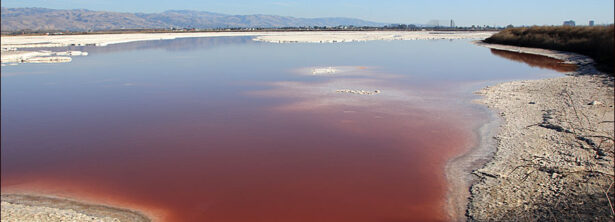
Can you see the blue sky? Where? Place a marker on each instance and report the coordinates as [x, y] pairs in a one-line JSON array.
[[463, 12]]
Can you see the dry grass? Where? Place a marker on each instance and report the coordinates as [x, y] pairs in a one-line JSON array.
[[595, 42]]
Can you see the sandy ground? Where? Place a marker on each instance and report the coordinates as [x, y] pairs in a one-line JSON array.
[[17, 207], [15, 48], [554, 148]]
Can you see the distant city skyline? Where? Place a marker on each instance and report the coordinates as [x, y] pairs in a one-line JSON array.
[[464, 13]]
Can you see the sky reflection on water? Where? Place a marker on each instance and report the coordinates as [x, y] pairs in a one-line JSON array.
[[227, 129]]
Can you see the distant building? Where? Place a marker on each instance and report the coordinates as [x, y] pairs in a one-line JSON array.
[[591, 22], [569, 23]]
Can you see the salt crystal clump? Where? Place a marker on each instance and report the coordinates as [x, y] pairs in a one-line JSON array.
[[328, 70], [360, 92], [72, 53]]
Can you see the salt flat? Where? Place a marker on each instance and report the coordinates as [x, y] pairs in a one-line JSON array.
[[325, 36], [331, 37], [20, 43]]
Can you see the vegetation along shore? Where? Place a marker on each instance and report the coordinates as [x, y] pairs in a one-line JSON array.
[[593, 41], [554, 149]]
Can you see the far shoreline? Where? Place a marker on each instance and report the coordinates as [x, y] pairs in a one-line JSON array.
[[16, 49], [102, 32]]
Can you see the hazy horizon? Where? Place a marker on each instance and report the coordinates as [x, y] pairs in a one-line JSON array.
[[478, 12]]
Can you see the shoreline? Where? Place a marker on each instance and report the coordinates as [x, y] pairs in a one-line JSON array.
[[544, 163], [15, 48], [25, 207], [47, 41], [458, 169], [585, 64]]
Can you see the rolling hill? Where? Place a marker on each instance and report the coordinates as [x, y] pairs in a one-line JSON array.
[[15, 19]]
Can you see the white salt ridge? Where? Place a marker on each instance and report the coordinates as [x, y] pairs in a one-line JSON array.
[[13, 43], [335, 37], [42, 56], [360, 92], [328, 70]]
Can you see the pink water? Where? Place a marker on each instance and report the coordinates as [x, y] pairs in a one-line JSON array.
[[182, 137]]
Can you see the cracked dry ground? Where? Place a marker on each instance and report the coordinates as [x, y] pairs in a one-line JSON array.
[[554, 157]]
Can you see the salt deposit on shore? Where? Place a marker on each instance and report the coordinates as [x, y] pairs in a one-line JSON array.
[[18, 207], [20, 212], [8, 42], [13, 43], [554, 149], [332, 37], [40, 56]]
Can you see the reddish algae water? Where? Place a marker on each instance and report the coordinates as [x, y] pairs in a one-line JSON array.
[[177, 134]]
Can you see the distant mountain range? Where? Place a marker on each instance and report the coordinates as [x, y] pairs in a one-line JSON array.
[[14, 19]]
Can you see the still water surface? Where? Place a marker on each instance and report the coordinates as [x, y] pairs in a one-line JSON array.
[[227, 129]]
